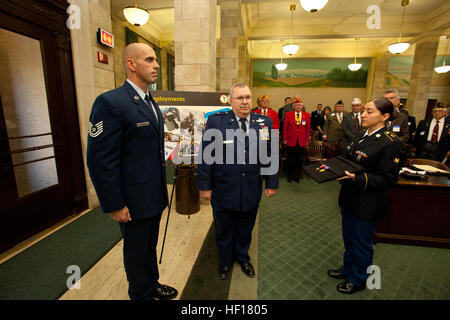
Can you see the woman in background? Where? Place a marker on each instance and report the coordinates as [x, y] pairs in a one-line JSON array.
[[363, 195], [321, 121]]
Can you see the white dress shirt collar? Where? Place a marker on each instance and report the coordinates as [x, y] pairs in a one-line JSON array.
[[138, 90]]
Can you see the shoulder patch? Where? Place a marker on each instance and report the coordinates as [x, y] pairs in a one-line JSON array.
[[391, 136], [220, 113]]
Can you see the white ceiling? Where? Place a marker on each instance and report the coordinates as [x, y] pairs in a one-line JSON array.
[[330, 32]]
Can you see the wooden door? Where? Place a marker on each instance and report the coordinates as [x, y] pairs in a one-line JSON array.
[[41, 168]]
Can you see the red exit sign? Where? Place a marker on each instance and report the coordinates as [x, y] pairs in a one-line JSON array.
[[105, 38]]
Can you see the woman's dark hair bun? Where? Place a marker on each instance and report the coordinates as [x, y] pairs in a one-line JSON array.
[[385, 106]]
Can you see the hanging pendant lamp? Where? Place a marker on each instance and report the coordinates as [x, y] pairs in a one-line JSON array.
[[355, 66], [135, 15], [400, 47], [291, 48]]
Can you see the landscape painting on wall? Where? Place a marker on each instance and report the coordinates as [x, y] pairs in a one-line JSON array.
[[399, 72], [315, 73]]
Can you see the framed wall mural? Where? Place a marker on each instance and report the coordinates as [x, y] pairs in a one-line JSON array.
[[399, 72], [315, 73]]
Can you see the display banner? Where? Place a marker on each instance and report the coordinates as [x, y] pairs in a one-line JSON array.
[[185, 115]]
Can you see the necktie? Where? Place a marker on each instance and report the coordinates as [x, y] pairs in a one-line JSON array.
[[297, 118], [150, 105], [243, 126], [434, 136], [264, 112], [339, 117], [357, 121]]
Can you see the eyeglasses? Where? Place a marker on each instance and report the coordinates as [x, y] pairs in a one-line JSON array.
[[241, 98]]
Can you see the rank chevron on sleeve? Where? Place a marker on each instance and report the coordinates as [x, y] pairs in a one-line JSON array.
[[95, 130]]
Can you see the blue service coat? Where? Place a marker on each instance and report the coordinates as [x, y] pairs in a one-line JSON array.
[[125, 153], [237, 186]]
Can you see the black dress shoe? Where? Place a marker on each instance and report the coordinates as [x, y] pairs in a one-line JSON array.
[[297, 180], [336, 274], [248, 269], [224, 273], [165, 293], [348, 288], [289, 179]]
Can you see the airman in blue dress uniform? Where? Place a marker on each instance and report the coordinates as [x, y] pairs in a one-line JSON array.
[[235, 189], [125, 157]]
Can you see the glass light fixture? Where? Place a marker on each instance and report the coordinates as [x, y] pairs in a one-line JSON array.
[[291, 48], [355, 66], [135, 15], [313, 5], [281, 66], [400, 46], [444, 68]]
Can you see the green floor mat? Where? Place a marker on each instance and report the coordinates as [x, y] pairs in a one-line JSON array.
[[40, 272]]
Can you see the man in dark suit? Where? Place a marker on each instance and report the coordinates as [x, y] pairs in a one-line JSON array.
[[432, 138], [315, 121], [125, 157], [234, 184], [332, 130], [399, 124], [351, 123], [289, 106]]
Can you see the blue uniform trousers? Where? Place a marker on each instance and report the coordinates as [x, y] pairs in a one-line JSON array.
[[358, 241], [140, 258], [233, 230]]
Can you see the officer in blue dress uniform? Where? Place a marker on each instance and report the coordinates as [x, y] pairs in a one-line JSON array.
[[363, 197], [125, 157], [235, 189]]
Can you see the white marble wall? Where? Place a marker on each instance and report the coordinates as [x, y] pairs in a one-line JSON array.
[[91, 77], [195, 45]]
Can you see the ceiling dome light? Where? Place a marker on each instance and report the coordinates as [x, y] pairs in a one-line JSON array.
[[355, 66], [313, 5], [135, 15], [398, 47], [281, 66]]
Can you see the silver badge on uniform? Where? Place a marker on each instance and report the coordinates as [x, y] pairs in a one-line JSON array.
[[95, 130]]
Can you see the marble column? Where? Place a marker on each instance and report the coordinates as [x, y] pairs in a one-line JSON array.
[[243, 72], [229, 44], [379, 76], [195, 45], [421, 75]]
